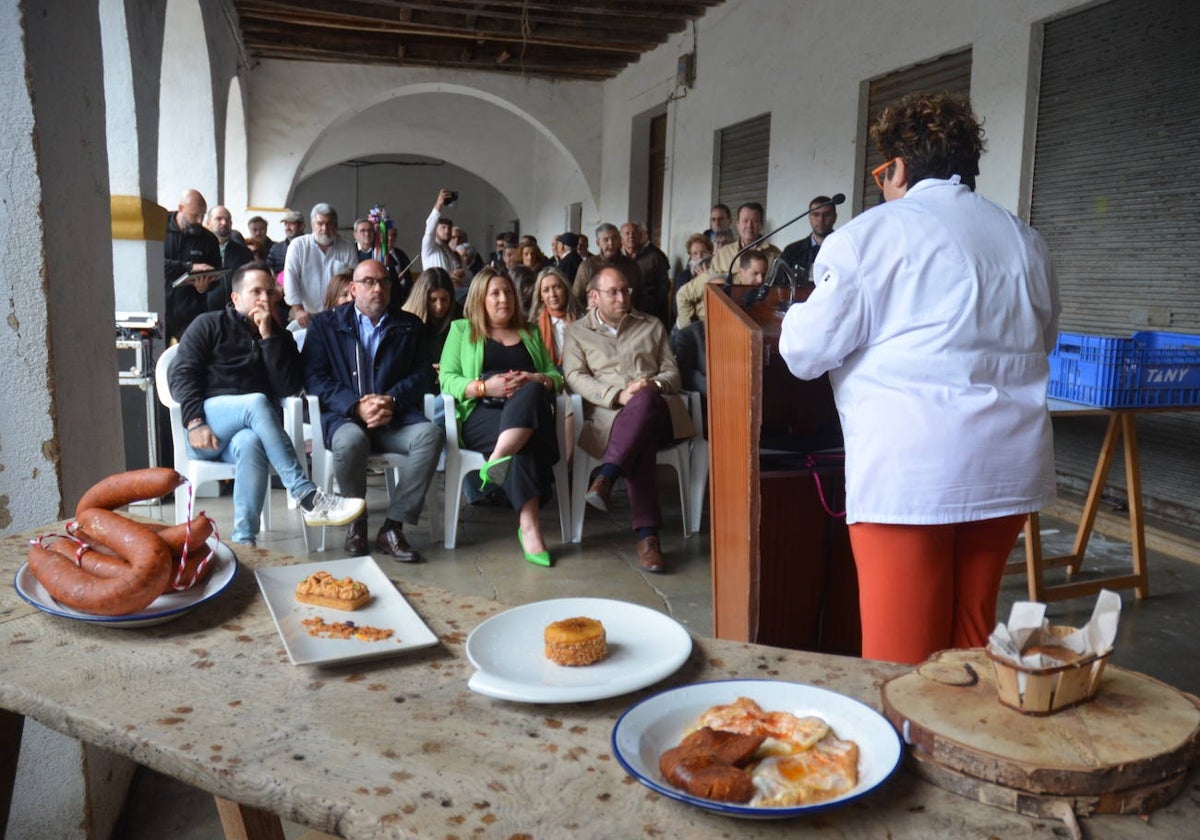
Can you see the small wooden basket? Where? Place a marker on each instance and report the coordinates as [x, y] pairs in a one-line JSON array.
[[1049, 690]]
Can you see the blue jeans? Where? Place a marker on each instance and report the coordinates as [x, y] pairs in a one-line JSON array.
[[250, 435]]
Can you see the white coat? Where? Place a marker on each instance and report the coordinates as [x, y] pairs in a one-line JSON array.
[[933, 315]]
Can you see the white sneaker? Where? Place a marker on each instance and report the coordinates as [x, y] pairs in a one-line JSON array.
[[332, 509]]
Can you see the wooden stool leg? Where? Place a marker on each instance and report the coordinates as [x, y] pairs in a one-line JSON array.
[[242, 822], [11, 726], [1133, 486], [1091, 507], [1033, 556]]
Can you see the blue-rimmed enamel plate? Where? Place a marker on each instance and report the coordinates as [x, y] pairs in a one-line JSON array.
[[653, 726], [162, 609]]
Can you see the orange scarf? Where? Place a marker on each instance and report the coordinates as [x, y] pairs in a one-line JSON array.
[[546, 327]]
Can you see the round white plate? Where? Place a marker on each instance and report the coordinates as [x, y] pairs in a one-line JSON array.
[[658, 723], [644, 646], [162, 609]]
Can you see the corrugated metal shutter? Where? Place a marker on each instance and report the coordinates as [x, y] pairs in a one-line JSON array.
[[743, 162], [945, 74], [1116, 172]]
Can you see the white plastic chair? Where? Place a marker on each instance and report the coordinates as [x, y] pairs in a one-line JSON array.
[[460, 462], [322, 458], [197, 471], [680, 456]]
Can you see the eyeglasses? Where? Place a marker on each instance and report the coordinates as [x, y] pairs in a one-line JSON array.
[[372, 282], [879, 171]]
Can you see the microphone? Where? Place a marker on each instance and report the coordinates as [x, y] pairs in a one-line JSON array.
[[837, 199]]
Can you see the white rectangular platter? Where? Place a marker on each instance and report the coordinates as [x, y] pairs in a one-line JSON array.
[[387, 609]]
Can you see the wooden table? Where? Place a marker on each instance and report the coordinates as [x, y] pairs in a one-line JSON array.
[[1122, 428], [400, 747]]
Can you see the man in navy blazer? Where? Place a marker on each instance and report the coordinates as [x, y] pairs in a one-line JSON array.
[[369, 365]]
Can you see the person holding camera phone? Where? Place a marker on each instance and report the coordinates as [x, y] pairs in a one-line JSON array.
[[435, 244]]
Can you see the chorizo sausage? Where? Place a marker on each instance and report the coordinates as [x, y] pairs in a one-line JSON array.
[[190, 569], [147, 569], [128, 487], [194, 533]]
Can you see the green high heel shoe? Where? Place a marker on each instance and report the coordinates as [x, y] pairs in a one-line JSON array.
[[485, 476], [541, 558]]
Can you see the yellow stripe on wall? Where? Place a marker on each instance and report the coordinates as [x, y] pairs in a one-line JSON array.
[[134, 217]]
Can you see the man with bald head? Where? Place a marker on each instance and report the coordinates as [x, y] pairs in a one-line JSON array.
[[369, 365], [187, 247]]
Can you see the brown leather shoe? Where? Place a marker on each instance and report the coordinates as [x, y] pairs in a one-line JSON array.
[[356, 538], [599, 492], [391, 541], [650, 557]]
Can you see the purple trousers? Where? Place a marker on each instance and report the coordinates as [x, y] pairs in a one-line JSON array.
[[641, 428]]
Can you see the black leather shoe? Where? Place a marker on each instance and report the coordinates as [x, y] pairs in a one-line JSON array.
[[391, 541], [356, 538]]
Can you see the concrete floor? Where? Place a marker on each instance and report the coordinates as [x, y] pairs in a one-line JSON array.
[[1154, 635]]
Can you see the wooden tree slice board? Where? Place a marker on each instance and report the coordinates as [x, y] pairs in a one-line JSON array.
[[1136, 800], [1137, 732]]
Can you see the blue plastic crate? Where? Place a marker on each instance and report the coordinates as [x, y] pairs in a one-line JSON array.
[[1146, 369]]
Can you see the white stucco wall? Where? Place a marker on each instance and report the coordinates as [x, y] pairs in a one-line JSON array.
[[305, 116], [806, 67], [29, 492]]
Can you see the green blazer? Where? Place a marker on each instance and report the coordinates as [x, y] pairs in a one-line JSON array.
[[462, 362]]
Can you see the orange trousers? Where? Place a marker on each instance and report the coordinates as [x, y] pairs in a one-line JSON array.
[[924, 588]]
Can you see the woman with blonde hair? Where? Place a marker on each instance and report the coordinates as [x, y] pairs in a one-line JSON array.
[[503, 380], [553, 308]]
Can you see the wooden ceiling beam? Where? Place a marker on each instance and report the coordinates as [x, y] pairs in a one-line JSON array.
[[553, 71], [329, 20]]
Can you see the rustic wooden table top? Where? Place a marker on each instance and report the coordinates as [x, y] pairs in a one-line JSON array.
[[399, 747]]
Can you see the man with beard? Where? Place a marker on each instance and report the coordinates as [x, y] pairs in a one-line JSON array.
[[369, 366], [311, 260], [800, 255], [257, 226], [234, 255], [229, 374], [619, 361], [187, 248]]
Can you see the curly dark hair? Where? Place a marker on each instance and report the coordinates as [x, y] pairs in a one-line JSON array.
[[936, 134]]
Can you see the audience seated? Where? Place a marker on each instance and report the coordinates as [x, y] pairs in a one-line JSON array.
[[232, 369], [503, 380], [608, 241], [690, 297], [619, 361], [370, 368]]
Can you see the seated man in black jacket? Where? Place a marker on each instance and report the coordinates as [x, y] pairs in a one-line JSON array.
[[369, 364], [229, 374]]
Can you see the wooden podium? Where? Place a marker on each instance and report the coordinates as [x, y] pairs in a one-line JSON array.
[[782, 569]]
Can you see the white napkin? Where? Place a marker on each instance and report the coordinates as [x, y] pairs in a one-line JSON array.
[[1027, 626]]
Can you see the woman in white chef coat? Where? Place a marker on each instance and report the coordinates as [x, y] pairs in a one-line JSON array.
[[933, 314]]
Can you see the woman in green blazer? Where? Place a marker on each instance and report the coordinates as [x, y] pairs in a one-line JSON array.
[[503, 382]]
